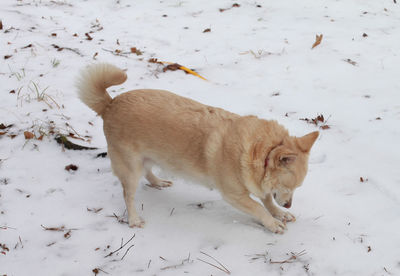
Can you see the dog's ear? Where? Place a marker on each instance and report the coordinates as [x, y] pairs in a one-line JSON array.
[[306, 142]]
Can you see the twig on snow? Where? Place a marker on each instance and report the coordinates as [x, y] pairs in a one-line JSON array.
[[126, 252], [292, 258], [187, 260], [122, 246], [222, 268], [58, 229], [255, 257], [7, 227], [117, 53], [119, 219], [96, 271]]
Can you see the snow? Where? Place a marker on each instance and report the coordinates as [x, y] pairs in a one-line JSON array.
[[344, 226]]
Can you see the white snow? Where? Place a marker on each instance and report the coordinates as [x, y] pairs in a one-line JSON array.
[[344, 226]]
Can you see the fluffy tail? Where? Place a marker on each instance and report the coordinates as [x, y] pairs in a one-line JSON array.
[[93, 82]]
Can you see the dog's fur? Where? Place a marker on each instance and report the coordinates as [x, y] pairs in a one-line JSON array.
[[239, 155]]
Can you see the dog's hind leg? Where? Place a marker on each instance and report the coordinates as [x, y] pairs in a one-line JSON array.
[[129, 169], [154, 180]]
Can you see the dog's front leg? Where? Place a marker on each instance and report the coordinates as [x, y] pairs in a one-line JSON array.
[[275, 211], [244, 203]]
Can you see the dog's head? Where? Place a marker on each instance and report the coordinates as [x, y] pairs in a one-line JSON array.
[[286, 167]]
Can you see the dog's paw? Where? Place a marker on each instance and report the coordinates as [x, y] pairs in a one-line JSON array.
[[284, 216], [276, 226], [160, 184], [136, 222], [165, 183]]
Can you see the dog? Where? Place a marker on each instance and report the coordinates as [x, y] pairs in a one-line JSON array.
[[238, 155]]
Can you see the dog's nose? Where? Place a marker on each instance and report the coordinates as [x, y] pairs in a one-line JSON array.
[[288, 204]]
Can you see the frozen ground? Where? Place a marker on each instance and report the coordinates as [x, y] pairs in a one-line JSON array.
[[258, 59]]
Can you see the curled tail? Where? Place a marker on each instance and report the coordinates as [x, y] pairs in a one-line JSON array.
[[93, 82]]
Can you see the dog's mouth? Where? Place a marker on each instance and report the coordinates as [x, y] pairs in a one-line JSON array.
[[286, 204]]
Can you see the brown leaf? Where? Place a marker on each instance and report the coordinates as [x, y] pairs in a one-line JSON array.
[[136, 51], [172, 67], [71, 167], [352, 62], [154, 60], [2, 133], [68, 234], [235, 5], [94, 210], [365, 35], [29, 135], [95, 55], [317, 121], [7, 56], [54, 34], [318, 39], [95, 271], [12, 91], [59, 229], [88, 37], [75, 34], [3, 126], [59, 49], [4, 247], [1, 25], [207, 30], [27, 46]]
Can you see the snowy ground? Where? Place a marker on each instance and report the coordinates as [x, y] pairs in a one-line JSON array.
[[258, 59]]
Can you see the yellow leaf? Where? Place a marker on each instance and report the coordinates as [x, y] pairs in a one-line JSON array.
[[183, 68], [318, 39]]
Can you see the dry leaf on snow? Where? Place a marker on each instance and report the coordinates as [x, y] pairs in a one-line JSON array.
[[318, 39], [28, 135]]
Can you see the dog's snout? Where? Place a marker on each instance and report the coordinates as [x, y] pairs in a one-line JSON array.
[[288, 204]]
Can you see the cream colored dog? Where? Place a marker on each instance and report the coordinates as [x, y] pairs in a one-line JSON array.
[[239, 155]]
